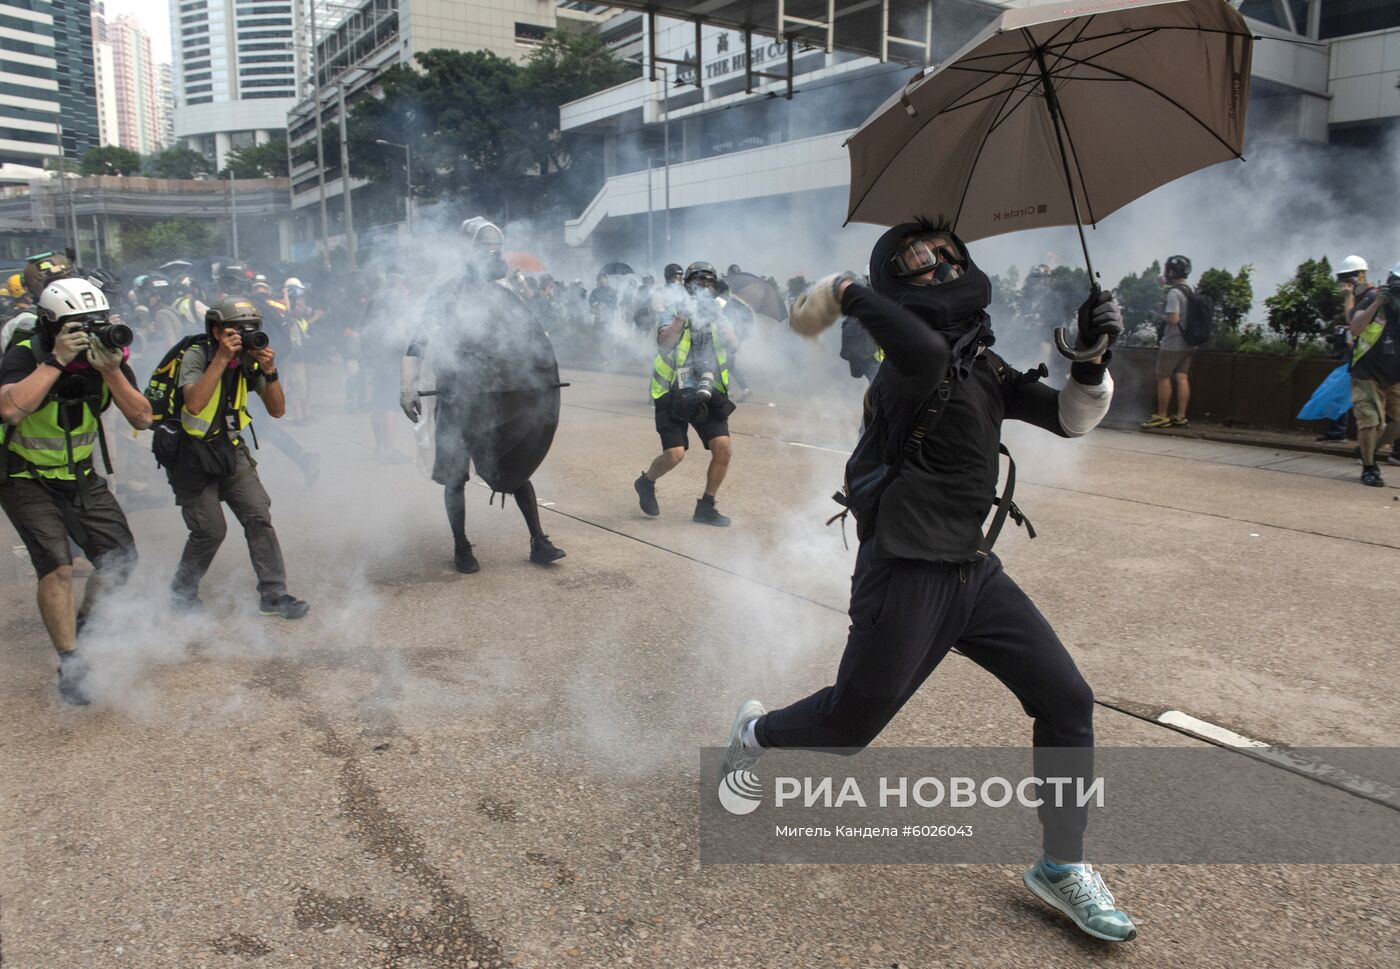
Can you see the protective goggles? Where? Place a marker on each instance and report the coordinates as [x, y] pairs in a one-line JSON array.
[[923, 254]]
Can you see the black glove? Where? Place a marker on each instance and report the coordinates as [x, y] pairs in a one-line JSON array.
[[1099, 315]]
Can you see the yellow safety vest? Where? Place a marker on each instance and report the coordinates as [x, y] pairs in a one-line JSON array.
[[209, 422], [1369, 337], [48, 447], [665, 365]]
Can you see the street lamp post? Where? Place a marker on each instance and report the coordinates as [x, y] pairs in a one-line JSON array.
[[347, 203], [320, 139], [408, 177], [665, 141], [233, 212]]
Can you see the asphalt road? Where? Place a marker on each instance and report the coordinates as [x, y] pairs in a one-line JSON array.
[[437, 770]]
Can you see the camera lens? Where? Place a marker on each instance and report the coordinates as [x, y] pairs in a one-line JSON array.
[[114, 336], [255, 339]]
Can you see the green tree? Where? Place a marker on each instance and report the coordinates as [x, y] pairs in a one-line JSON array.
[[267, 160], [110, 160], [179, 162], [171, 239], [1139, 296], [480, 128], [1307, 305], [1233, 295]]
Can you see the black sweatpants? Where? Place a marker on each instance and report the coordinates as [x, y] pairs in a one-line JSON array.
[[905, 617]]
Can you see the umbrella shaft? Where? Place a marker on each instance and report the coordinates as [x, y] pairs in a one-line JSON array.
[[1052, 102]]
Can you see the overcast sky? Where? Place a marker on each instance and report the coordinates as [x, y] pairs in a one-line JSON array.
[[154, 16]]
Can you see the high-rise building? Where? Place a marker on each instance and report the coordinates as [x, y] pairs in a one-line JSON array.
[[234, 71], [134, 77], [104, 73], [165, 96], [77, 85], [29, 90]]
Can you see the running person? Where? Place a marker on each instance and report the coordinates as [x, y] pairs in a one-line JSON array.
[[925, 579]]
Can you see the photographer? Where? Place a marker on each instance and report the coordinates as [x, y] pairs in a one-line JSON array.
[[53, 387], [209, 464], [690, 388], [1373, 316]]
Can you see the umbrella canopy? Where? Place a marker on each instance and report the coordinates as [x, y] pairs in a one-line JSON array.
[[758, 294], [1114, 98], [616, 269], [523, 262]]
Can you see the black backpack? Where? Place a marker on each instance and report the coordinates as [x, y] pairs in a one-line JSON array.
[[1199, 325]]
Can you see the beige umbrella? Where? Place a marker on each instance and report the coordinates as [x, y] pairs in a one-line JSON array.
[[1113, 98]]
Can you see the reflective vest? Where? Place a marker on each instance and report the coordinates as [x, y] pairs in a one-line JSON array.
[[665, 365], [185, 307], [209, 422], [1369, 337], [47, 446]]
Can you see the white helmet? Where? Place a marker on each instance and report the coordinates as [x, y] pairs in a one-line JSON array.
[[1352, 264], [63, 298]]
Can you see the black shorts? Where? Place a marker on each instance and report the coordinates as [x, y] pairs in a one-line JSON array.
[[46, 515], [674, 430]]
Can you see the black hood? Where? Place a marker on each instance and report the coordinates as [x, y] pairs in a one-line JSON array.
[[954, 307]]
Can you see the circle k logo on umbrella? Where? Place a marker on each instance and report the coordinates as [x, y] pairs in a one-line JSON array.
[[740, 792]]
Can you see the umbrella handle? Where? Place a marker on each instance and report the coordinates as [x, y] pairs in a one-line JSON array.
[[1079, 356]]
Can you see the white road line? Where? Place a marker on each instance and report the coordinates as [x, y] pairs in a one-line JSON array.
[[1206, 729], [817, 447]]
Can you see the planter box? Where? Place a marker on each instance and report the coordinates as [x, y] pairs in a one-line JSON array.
[[1244, 388]]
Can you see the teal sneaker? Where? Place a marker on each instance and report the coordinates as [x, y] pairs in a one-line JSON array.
[[1079, 892], [736, 757]]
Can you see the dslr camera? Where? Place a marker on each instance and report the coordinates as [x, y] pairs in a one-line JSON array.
[[253, 338], [113, 336]]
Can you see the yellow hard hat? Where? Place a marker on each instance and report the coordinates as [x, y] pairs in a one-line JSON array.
[[14, 287]]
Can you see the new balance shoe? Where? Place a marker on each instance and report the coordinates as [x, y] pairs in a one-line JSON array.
[[1157, 421], [288, 607], [737, 756], [1180, 422], [1079, 892], [543, 551], [646, 495], [1371, 476]]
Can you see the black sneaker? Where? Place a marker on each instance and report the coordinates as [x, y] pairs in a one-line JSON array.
[[463, 560], [72, 671], [1394, 456], [310, 467], [1371, 475], [646, 493], [707, 514], [286, 606], [543, 551]]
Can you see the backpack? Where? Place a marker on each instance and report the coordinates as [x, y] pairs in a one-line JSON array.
[[18, 328], [1199, 325], [166, 398]]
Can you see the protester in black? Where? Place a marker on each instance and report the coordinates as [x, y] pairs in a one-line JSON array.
[[926, 580]]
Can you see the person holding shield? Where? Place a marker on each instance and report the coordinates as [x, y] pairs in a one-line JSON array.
[[497, 393]]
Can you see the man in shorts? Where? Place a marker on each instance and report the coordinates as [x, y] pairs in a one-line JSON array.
[[1173, 353], [690, 388]]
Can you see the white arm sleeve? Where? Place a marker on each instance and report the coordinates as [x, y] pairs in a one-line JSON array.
[[1083, 406]]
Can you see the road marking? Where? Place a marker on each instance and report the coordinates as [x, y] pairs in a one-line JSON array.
[[816, 447], [1206, 730]]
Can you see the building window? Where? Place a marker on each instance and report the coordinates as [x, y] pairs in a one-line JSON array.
[[531, 35], [254, 95], [267, 82], [202, 76], [208, 100], [285, 22], [199, 89], [261, 71]]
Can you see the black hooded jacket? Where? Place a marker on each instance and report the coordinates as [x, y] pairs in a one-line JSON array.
[[934, 509]]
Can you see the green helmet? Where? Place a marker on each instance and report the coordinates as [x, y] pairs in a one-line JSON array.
[[233, 311]]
